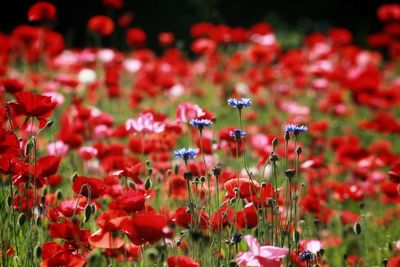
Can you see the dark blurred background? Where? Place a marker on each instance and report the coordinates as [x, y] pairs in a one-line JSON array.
[[289, 18]]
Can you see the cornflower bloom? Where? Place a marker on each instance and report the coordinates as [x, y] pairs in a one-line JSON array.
[[239, 103]]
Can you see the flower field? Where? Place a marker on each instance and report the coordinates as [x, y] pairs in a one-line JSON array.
[[233, 151]]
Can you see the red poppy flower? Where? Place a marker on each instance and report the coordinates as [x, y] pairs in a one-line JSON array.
[[9, 148], [184, 219], [247, 218], [181, 261], [394, 173], [101, 24], [42, 11], [166, 38], [129, 201], [117, 4], [109, 222], [31, 105], [96, 186], [136, 37], [12, 86], [69, 231], [146, 227], [246, 187], [54, 254]]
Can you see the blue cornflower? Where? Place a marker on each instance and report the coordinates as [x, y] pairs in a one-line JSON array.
[[239, 103], [296, 129], [237, 134], [306, 255], [186, 153], [200, 123]]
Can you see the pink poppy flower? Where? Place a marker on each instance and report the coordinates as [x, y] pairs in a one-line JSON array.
[[260, 255], [145, 123]]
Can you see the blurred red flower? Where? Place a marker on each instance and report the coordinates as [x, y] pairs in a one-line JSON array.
[[101, 24], [42, 11]]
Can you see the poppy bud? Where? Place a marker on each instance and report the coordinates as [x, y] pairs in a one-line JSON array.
[[38, 251], [147, 183], [275, 142], [362, 205], [147, 163], [321, 252], [28, 147], [287, 136], [236, 238], [169, 172], [74, 175], [178, 243], [176, 169], [299, 150], [385, 262], [9, 201], [42, 200], [132, 184], [150, 171], [59, 194], [21, 219], [202, 179], [88, 212], [296, 236], [94, 209], [38, 221], [196, 180], [357, 228], [232, 263], [390, 246], [49, 124]]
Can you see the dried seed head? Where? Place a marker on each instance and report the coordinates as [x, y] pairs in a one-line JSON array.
[[188, 175]]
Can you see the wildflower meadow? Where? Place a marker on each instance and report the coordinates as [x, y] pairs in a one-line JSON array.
[[233, 151]]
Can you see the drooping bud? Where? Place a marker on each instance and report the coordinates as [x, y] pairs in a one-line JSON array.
[[148, 184]]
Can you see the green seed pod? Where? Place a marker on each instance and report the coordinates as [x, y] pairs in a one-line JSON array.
[[21, 219], [38, 251], [148, 184], [150, 171], [357, 228], [38, 221], [147, 163]]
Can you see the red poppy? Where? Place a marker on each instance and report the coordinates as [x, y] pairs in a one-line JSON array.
[[117, 4], [183, 218], [101, 24], [42, 11], [109, 222], [54, 254], [32, 105], [136, 37], [129, 201], [181, 261], [72, 232], [9, 148], [245, 186], [394, 173], [81, 184], [12, 85], [247, 218], [146, 227], [166, 38]]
